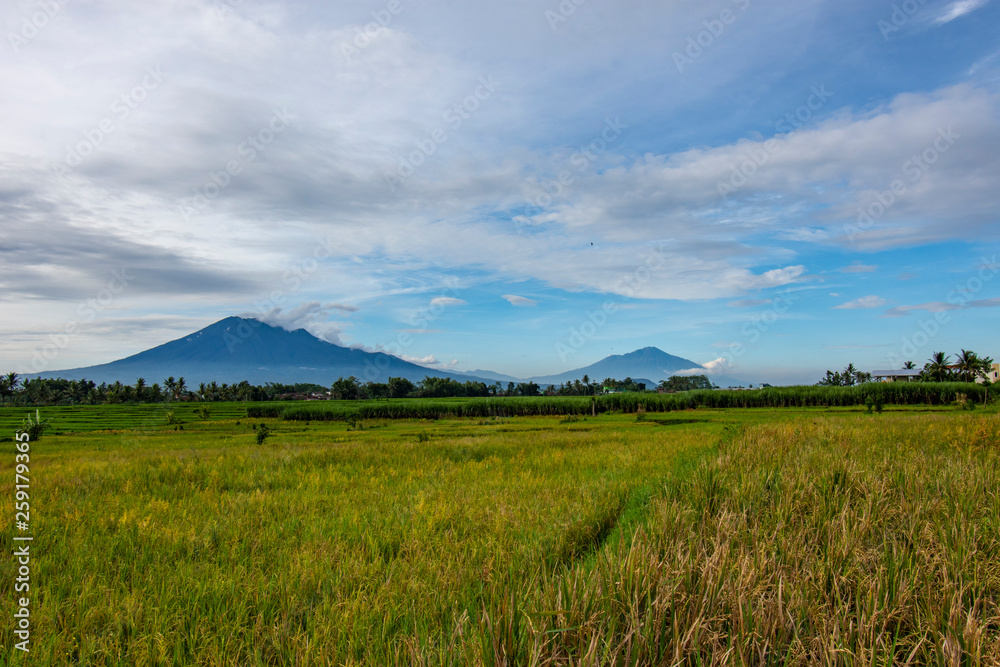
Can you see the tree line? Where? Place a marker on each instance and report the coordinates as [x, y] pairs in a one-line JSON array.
[[58, 391], [967, 367]]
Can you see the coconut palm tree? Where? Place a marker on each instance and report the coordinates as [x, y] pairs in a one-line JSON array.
[[985, 367], [936, 367], [968, 365], [909, 365], [8, 386]]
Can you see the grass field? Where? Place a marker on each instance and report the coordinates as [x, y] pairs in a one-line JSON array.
[[793, 536]]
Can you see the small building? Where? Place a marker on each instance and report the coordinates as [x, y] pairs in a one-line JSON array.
[[993, 375], [900, 375]]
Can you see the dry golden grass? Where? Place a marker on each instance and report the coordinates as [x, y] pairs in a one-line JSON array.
[[870, 541], [792, 538]]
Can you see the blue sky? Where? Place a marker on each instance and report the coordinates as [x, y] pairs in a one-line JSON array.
[[768, 189]]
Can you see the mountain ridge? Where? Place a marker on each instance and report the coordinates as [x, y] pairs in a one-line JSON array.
[[648, 362], [235, 348]]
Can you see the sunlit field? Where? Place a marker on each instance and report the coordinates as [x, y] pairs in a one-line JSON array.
[[711, 536]]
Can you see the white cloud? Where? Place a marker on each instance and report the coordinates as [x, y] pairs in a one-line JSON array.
[[858, 267], [442, 301], [430, 361], [714, 367], [357, 120], [312, 316], [941, 306], [516, 300], [749, 303], [958, 9], [871, 301]]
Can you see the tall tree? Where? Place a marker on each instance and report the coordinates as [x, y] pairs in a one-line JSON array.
[[968, 365], [936, 369]]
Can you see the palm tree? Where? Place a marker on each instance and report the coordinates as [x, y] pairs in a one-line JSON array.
[[936, 367], [140, 389], [181, 387], [850, 374], [985, 367], [909, 365], [8, 386], [968, 365]]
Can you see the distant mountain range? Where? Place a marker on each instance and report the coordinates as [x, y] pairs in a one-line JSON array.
[[650, 363], [236, 349]]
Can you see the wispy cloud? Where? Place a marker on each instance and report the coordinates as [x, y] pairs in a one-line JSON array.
[[854, 347], [313, 316], [941, 306], [516, 300], [958, 9], [312, 214], [858, 267], [871, 301], [442, 301], [748, 303], [430, 361], [718, 366]]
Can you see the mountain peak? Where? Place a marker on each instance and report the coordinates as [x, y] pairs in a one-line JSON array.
[[240, 348], [647, 362]]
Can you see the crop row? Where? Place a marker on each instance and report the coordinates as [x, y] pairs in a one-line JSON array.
[[897, 393]]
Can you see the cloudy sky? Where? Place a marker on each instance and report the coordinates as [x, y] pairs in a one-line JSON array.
[[524, 186]]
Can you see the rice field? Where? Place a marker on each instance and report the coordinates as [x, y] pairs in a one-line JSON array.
[[708, 536]]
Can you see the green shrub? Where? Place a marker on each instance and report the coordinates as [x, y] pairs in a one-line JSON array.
[[34, 427]]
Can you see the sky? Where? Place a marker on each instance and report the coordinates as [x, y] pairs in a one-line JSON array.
[[769, 189]]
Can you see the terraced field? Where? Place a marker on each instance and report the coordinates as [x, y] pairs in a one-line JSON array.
[[796, 536]]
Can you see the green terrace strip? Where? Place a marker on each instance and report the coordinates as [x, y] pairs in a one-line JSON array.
[[119, 418], [889, 393], [716, 536]]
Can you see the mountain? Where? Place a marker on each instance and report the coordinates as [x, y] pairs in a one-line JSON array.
[[649, 362], [236, 349], [491, 375]]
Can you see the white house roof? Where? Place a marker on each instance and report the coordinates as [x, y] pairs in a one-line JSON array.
[[902, 372]]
